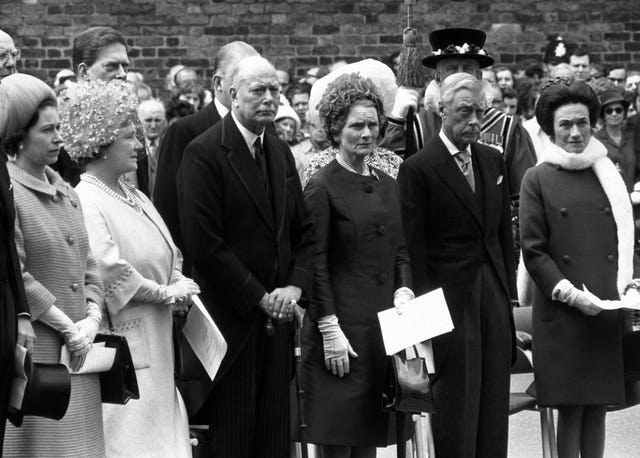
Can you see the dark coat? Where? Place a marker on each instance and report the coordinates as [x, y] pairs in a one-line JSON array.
[[462, 242], [361, 260], [623, 155], [577, 358], [240, 248], [13, 299], [172, 146]]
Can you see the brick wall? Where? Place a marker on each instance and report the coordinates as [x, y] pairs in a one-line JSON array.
[[298, 34]]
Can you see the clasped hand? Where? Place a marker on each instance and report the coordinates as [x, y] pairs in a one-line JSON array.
[[181, 292], [282, 303]]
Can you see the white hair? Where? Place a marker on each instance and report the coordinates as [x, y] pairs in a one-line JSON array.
[[458, 81], [150, 105]]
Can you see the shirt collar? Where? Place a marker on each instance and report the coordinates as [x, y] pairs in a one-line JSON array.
[[248, 136], [222, 110], [453, 149]]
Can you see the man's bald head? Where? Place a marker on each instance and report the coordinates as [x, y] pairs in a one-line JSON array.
[[255, 92], [9, 55], [225, 60]]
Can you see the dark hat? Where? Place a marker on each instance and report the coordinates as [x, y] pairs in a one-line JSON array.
[[609, 97], [557, 51], [457, 43], [38, 389]]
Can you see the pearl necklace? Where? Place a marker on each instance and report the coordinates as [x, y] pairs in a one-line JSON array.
[[130, 198]]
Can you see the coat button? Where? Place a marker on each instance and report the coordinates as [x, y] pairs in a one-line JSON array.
[[382, 278], [381, 230], [566, 259], [75, 287], [74, 203], [71, 240], [368, 188], [563, 211], [611, 258], [55, 199], [606, 210]]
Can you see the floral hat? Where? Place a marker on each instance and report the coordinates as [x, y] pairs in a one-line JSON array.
[[93, 114], [457, 43]]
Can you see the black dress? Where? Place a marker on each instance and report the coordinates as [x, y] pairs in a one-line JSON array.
[[361, 261]]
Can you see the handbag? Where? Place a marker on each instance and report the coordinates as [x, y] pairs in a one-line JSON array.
[[119, 384], [408, 388]]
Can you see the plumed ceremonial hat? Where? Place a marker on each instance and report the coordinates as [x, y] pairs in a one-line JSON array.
[[457, 43], [20, 97], [556, 51]]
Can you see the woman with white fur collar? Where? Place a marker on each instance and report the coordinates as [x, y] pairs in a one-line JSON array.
[[576, 233]]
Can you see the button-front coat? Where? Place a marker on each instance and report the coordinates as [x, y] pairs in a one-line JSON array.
[[568, 231]]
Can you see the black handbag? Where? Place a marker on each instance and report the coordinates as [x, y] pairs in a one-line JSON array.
[[119, 384], [408, 388]]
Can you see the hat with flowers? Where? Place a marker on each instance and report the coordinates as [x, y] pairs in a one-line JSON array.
[[93, 114], [457, 43]]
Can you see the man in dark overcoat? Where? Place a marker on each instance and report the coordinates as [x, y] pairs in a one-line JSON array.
[[455, 204], [181, 132], [250, 237]]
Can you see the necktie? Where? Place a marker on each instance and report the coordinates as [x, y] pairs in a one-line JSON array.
[[464, 161], [261, 163]]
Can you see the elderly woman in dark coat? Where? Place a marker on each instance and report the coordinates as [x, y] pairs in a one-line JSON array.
[[577, 233], [362, 268]]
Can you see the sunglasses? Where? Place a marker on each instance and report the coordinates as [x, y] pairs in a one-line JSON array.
[[616, 110]]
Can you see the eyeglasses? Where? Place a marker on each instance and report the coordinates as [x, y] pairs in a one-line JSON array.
[[616, 110], [4, 56], [616, 80]]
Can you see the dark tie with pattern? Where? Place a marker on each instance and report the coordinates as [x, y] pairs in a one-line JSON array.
[[464, 161]]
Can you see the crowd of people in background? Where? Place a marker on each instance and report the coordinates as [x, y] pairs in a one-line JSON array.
[[339, 192]]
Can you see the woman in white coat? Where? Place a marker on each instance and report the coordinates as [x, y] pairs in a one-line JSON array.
[[139, 263]]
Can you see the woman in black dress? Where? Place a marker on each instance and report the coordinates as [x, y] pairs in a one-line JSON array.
[[362, 268]]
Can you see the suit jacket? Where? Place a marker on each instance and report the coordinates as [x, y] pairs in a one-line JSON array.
[[12, 296], [242, 246], [499, 130], [169, 157], [449, 234]]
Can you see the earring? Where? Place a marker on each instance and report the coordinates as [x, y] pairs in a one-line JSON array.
[[20, 146], [104, 157]]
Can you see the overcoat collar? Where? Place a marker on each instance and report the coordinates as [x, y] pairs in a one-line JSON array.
[[54, 185], [245, 168]]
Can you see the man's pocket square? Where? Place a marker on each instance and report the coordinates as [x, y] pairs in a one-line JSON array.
[[499, 180]]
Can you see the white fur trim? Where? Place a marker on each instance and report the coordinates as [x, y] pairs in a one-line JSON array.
[[595, 156]]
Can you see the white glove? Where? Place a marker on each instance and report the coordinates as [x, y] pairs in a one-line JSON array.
[[182, 289], [337, 348], [401, 297], [569, 294], [76, 340], [405, 99], [91, 323]]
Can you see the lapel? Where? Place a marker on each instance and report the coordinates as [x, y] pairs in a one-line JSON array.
[[244, 166], [488, 175], [6, 191], [445, 166], [156, 219], [277, 176]]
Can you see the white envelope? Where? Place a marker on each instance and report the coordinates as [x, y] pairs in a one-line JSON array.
[[423, 318]]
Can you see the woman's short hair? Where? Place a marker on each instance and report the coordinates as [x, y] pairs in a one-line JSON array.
[[93, 114], [341, 94], [559, 92], [88, 44]]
